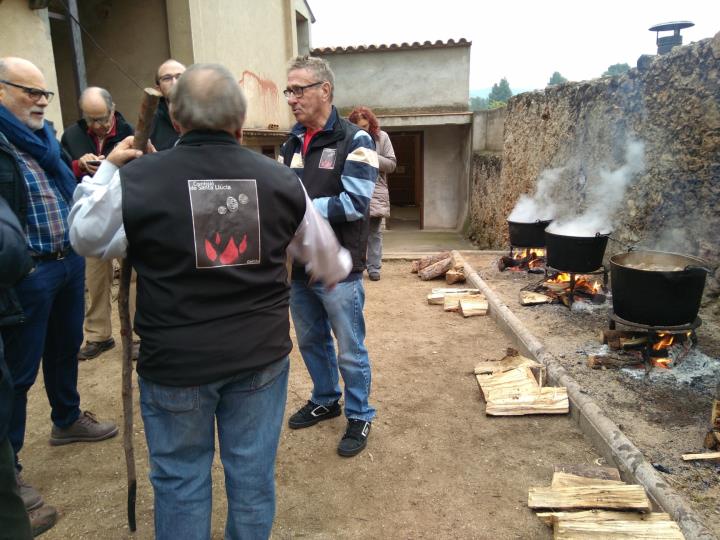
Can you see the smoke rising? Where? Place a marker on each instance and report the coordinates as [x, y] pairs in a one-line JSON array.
[[604, 197], [541, 205]]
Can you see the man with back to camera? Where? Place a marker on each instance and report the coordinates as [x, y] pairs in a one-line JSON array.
[[38, 184], [338, 166], [212, 301], [162, 132], [87, 142]]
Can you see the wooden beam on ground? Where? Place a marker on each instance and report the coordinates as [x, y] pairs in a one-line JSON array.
[[630, 530], [474, 305], [620, 497], [419, 264], [704, 456], [547, 400], [599, 516], [562, 479]]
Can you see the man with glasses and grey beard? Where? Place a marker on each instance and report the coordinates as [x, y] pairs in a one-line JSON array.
[[44, 318], [87, 142]]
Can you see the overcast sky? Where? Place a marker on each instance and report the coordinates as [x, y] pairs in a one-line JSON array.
[[522, 40]]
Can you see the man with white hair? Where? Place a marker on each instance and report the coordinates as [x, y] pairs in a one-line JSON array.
[[47, 310], [212, 302]]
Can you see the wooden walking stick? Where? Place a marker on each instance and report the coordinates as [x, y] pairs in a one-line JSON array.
[[149, 105]]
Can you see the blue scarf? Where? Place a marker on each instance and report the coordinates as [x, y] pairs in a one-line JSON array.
[[42, 146]]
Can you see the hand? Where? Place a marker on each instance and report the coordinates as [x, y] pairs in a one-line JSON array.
[[123, 152], [85, 163]]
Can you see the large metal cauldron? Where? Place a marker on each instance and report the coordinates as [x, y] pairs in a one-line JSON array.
[[527, 235], [656, 288], [575, 254]]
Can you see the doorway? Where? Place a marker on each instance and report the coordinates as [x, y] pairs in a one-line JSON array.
[[406, 183]]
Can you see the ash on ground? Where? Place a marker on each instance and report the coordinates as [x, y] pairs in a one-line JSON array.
[[697, 371]]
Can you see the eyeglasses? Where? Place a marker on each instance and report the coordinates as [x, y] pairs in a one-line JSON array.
[[298, 91], [34, 93], [168, 78], [98, 120]]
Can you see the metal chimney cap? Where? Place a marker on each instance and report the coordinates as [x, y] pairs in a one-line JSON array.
[[677, 25]]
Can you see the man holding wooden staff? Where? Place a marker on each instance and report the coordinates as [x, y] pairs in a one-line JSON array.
[[206, 225]]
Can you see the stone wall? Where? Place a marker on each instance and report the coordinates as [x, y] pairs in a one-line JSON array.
[[670, 102]]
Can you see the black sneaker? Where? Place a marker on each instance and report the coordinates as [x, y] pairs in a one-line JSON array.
[[93, 349], [312, 413], [355, 438]]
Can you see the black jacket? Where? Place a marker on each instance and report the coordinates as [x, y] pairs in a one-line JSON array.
[[208, 238], [77, 142], [15, 262], [162, 132]]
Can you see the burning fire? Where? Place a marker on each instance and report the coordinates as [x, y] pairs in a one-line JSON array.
[[533, 257], [663, 359]]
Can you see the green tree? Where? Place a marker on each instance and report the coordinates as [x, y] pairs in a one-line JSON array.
[[556, 79], [497, 104], [478, 103], [616, 69], [500, 92]]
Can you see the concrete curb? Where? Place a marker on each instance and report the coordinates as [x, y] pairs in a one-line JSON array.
[[605, 435]]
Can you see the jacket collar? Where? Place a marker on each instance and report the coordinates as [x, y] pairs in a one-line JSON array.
[[200, 136], [299, 130]]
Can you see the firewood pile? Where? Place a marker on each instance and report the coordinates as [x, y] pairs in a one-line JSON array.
[[513, 386], [443, 264], [558, 289], [592, 502], [625, 349]]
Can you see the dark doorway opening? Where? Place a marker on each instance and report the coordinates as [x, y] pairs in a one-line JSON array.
[[406, 183]]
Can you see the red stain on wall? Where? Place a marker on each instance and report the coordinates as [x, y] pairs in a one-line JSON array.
[[266, 91]]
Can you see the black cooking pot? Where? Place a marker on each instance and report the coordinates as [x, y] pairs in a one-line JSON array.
[[575, 254], [656, 288], [527, 235]]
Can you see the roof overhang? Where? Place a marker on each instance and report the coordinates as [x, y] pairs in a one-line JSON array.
[[425, 119]]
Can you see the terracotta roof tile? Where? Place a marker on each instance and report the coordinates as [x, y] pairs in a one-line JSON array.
[[439, 44]]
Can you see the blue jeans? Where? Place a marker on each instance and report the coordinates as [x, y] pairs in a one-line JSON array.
[[315, 312], [180, 432], [53, 300]]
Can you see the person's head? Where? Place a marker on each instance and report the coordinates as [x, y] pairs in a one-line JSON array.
[[167, 75], [23, 91], [98, 110], [208, 97], [310, 85], [365, 119]]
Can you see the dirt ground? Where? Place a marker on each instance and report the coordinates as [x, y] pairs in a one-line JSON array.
[[435, 466], [663, 417]]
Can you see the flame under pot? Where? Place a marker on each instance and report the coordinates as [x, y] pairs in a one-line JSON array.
[[657, 288], [527, 235], [575, 254]]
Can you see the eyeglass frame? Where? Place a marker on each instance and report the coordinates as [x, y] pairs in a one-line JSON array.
[[102, 120], [34, 93], [294, 91], [169, 77]]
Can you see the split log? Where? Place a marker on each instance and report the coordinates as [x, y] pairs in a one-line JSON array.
[[628, 529], [633, 342], [451, 302], [520, 379], [548, 400], [488, 367], [563, 479], [530, 298], [620, 497], [435, 270], [435, 298], [458, 261], [454, 276], [589, 471], [474, 305], [599, 516], [622, 339], [427, 261], [451, 290], [712, 440], [704, 456], [598, 361]]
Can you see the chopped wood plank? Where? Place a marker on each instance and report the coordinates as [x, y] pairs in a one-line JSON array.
[[530, 298], [435, 270], [454, 276], [704, 456], [595, 516], [429, 260], [562, 479], [634, 530], [590, 471], [451, 302], [519, 378], [436, 298], [455, 290], [587, 497], [505, 364], [474, 305], [547, 400]]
